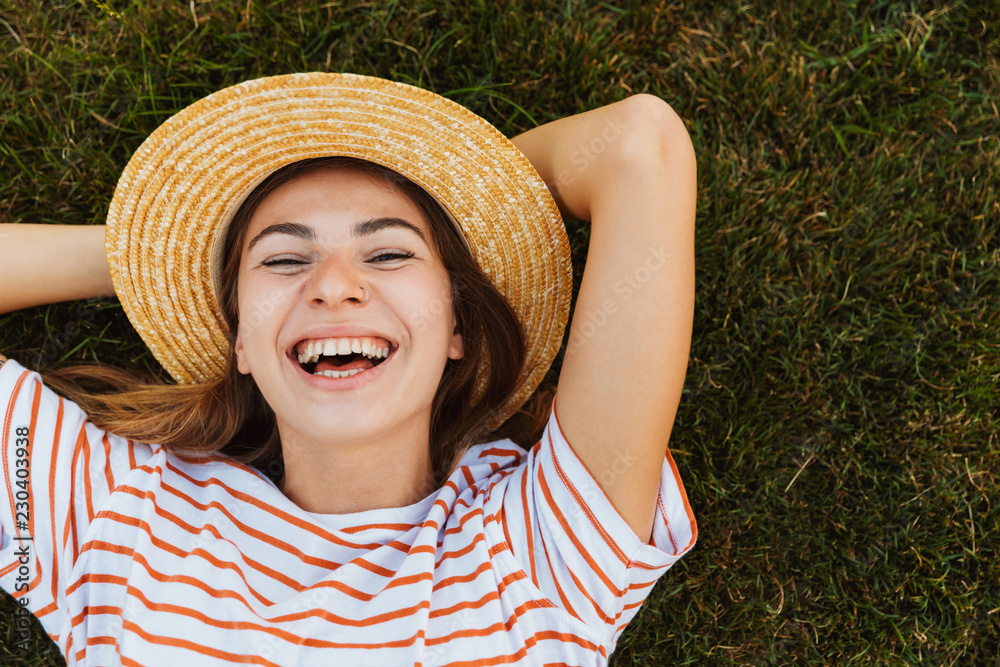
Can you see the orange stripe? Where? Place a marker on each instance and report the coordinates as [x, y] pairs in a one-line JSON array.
[[559, 591], [108, 476], [463, 551], [540, 603], [396, 527], [46, 610], [234, 657], [469, 604], [666, 522], [81, 446], [633, 605], [506, 626], [684, 498], [71, 508], [529, 527], [92, 578], [642, 584], [98, 641], [597, 608], [472, 632], [195, 647], [580, 500], [94, 611], [502, 520], [502, 451], [53, 476], [462, 578], [468, 516], [87, 490], [573, 538]]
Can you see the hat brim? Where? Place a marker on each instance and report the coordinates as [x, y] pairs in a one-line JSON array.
[[178, 193]]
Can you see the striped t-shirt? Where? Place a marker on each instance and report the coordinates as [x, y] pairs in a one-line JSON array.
[[129, 553]]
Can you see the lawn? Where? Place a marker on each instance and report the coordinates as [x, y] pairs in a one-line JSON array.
[[838, 431]]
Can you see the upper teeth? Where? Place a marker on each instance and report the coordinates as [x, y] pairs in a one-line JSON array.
[[370, 347]]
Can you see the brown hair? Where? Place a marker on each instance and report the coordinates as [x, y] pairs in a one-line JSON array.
[[230, 415]]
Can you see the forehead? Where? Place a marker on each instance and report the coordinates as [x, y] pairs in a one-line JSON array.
[[332, 197]]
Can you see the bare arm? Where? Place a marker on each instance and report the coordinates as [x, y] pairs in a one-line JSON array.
[[630, 169], [42, 264]]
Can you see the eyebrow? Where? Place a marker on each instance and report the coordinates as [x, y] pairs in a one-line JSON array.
[[362, 228]]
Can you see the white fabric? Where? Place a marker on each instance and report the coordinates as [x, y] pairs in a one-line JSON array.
[[141, 556]]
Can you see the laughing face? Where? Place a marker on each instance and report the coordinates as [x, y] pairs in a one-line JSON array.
[[338, 365]]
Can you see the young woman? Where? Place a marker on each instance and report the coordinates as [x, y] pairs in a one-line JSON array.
[[356, 284]]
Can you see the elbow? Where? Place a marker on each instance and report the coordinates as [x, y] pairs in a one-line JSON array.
[[653, 131]]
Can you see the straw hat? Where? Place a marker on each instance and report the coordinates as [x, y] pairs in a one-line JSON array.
[[168, 217]]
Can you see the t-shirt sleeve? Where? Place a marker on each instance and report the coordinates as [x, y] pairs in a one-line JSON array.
[[58, 471], [575, 546]]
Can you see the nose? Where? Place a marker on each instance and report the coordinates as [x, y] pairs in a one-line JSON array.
[[335, 279]]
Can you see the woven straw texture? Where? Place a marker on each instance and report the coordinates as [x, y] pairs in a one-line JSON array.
[[179, 191]]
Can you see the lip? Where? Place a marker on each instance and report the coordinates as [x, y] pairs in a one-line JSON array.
[[342, 331], [351, 383]]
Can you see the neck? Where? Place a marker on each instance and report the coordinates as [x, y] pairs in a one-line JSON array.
[[341, 479]]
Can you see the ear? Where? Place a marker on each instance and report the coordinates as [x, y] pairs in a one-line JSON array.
[[241, 357], [456, 348]]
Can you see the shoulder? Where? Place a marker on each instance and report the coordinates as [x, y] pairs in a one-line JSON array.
[[61, 434]]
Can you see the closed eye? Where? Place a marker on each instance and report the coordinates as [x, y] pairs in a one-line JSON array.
[[390, 255], [282, 261]]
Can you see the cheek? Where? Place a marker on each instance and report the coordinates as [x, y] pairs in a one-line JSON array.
[[427, 304], [258, 306]]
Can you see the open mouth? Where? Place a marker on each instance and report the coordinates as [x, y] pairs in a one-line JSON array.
[[342, 357]]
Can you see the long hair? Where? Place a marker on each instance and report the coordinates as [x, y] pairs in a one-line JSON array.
[[230, 415]]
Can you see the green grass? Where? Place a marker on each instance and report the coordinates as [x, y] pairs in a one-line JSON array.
[[838, 433]]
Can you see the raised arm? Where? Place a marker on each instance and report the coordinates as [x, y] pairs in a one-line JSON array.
[[42, 264], [628, 168]]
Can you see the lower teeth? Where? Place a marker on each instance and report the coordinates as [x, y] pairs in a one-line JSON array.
[[339, 374]]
